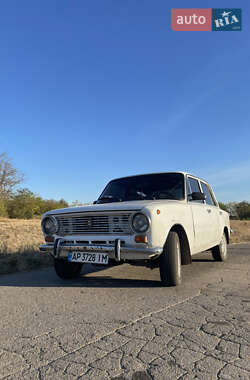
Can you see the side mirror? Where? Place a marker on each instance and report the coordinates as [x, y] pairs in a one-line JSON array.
[[95, 202], [197, 196]]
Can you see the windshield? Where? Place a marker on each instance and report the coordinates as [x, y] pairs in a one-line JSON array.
[[147, 186]]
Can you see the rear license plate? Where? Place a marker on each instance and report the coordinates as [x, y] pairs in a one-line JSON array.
[[91, 258]]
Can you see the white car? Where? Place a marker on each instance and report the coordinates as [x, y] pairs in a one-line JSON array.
[[160, 220]]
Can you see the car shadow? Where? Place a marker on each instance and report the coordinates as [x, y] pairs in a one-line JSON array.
[[110, 282], [202, 260], [101, 276], [46, 278]]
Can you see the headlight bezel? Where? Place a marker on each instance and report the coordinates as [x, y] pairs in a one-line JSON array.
[[55, 223], [138, 231]]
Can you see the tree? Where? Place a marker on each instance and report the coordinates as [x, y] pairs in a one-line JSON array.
[[22, 205], [9, 176], [223, 206], [51, 204], [232, 209], [3, 211], [243, 210], [76, 203]]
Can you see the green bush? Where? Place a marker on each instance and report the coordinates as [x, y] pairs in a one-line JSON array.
[[26, 205]]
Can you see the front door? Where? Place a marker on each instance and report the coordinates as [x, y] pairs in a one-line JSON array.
[[201, 218], [213, 211]]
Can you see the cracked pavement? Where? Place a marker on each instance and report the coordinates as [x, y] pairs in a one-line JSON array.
[[120, 323]]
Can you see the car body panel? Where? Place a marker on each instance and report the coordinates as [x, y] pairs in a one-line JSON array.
[[202, 223]]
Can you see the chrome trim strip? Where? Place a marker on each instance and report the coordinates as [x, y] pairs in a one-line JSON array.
[[95, 211], [99, 249], [58, 248], [46, 248], [117, 249]]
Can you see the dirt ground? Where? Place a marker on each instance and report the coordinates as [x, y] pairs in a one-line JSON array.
[[20, 239]]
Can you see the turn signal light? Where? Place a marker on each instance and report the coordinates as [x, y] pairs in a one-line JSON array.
[[49, 239], [141, 239]]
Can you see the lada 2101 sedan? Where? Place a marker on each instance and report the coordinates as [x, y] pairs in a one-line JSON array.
[[159, 220]]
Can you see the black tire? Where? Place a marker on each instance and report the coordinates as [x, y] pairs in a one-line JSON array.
[[66, 270], [170, 261], [219, 252], [113, 262]]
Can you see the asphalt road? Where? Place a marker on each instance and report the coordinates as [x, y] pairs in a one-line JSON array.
[[119, 323]]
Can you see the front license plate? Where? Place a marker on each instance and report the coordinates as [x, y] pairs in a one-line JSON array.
[[91, 258]]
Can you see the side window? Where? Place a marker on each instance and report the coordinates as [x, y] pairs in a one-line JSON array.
[[206, 191], [193, 185], [188, 189]]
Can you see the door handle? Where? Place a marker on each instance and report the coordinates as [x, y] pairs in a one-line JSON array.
[[208, 210]]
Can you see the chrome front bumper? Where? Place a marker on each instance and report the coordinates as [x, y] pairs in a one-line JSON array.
[[116, 251]]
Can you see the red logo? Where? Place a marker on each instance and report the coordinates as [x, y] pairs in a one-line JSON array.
[[191, 19]]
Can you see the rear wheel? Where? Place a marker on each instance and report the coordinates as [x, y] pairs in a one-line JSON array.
[[219, 252], [170, 261], [66, 270]]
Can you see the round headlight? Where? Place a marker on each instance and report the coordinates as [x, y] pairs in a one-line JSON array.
[[140, 223], [49, 225]]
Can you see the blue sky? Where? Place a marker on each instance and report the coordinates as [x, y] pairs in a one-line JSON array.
[[94, 90]]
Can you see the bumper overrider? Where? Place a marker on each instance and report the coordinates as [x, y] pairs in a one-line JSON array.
[[61, 249]]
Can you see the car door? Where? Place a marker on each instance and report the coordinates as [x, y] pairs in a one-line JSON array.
[[213, 212], [201, 217]]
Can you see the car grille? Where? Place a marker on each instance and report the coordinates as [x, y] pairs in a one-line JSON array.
[[83, 224]]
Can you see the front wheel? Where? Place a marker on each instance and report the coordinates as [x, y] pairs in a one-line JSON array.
[[66, 270], [219, 252], [170, 261]]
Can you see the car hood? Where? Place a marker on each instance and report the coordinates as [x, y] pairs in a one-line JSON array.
[[115, 206]]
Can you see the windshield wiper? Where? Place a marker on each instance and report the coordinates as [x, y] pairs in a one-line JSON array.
[[109, 199]]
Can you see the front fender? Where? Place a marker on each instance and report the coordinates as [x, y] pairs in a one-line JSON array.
[[169, 216]]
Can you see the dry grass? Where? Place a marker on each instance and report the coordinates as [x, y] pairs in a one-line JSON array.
[[20, 239], [19, 245], [241, 231]]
